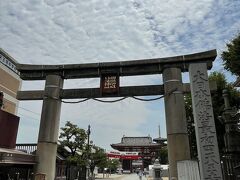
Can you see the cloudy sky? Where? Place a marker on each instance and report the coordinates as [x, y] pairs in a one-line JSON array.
[[73, 31]]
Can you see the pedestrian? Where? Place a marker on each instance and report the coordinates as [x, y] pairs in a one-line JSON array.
[[144, 173], [140, 174]]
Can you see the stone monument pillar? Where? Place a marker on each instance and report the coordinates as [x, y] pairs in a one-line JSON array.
[[49, 127], [207, 145], [177, 137]]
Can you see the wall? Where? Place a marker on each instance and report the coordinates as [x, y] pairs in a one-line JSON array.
[[10, 82], [8, 129]]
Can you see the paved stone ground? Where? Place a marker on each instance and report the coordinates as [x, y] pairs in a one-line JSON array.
[[124, 177]]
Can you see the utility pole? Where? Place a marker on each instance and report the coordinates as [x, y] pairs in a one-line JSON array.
[[159, 130], [88, 151]]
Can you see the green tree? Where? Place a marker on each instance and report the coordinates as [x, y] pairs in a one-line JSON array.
[[217, 98], [113, 164], [98, 158], [231, 57], [163, 155], [190, 126], [81, 154], [218, 107], [74, 138]]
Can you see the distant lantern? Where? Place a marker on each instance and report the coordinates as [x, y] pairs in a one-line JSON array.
[[109, 84]]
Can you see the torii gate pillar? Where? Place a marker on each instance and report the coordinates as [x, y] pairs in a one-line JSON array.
[[177, 137], [49, 127]]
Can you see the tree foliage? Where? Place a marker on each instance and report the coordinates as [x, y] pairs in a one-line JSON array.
[[81, 154], [113, 164], [74, 138], [98, 158], [163, 155], [231, 57], [218, 107], [190, 126], [217, 97]]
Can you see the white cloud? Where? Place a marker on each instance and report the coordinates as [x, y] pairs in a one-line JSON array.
[[71, 31]]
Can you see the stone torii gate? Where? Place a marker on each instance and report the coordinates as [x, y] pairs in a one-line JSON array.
[[173, 89]]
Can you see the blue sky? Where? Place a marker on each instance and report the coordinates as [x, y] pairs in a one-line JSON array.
[[72, 31]]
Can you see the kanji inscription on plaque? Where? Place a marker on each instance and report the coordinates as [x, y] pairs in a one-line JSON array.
[[109, 84]]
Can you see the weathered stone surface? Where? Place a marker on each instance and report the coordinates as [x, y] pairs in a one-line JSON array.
[[126, 91], [178, 144], [188, 170], [208, 153], [123, 68], [49, 127]]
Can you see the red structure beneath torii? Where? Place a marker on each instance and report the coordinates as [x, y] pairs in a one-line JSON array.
[[135, 152], [124, 155]]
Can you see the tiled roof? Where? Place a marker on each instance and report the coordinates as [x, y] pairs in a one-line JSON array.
[[136, 141], [13, 156], [12, 151]]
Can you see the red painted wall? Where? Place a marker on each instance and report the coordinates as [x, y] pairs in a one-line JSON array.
[[8, 129]]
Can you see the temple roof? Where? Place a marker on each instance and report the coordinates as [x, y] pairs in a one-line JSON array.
[[160, 140], [13, 156], [135, 141]]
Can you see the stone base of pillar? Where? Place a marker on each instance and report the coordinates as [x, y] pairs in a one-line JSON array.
[[178, 149], [47, 154]]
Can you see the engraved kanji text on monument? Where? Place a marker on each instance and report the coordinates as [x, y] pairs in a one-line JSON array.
[[208, 153]]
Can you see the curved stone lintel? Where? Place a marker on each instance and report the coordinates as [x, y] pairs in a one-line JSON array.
[[123, 68]]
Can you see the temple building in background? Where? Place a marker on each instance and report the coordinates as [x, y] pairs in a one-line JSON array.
[[10, 82], [144, 146]]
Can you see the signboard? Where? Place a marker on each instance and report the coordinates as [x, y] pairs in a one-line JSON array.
[[10, 64], [109, 84], [132, 157], [114, 154], [124, 155]]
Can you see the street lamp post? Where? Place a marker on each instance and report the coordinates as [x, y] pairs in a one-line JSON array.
[[88, 152]]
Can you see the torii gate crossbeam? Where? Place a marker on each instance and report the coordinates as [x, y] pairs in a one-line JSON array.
[[123, 68]]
